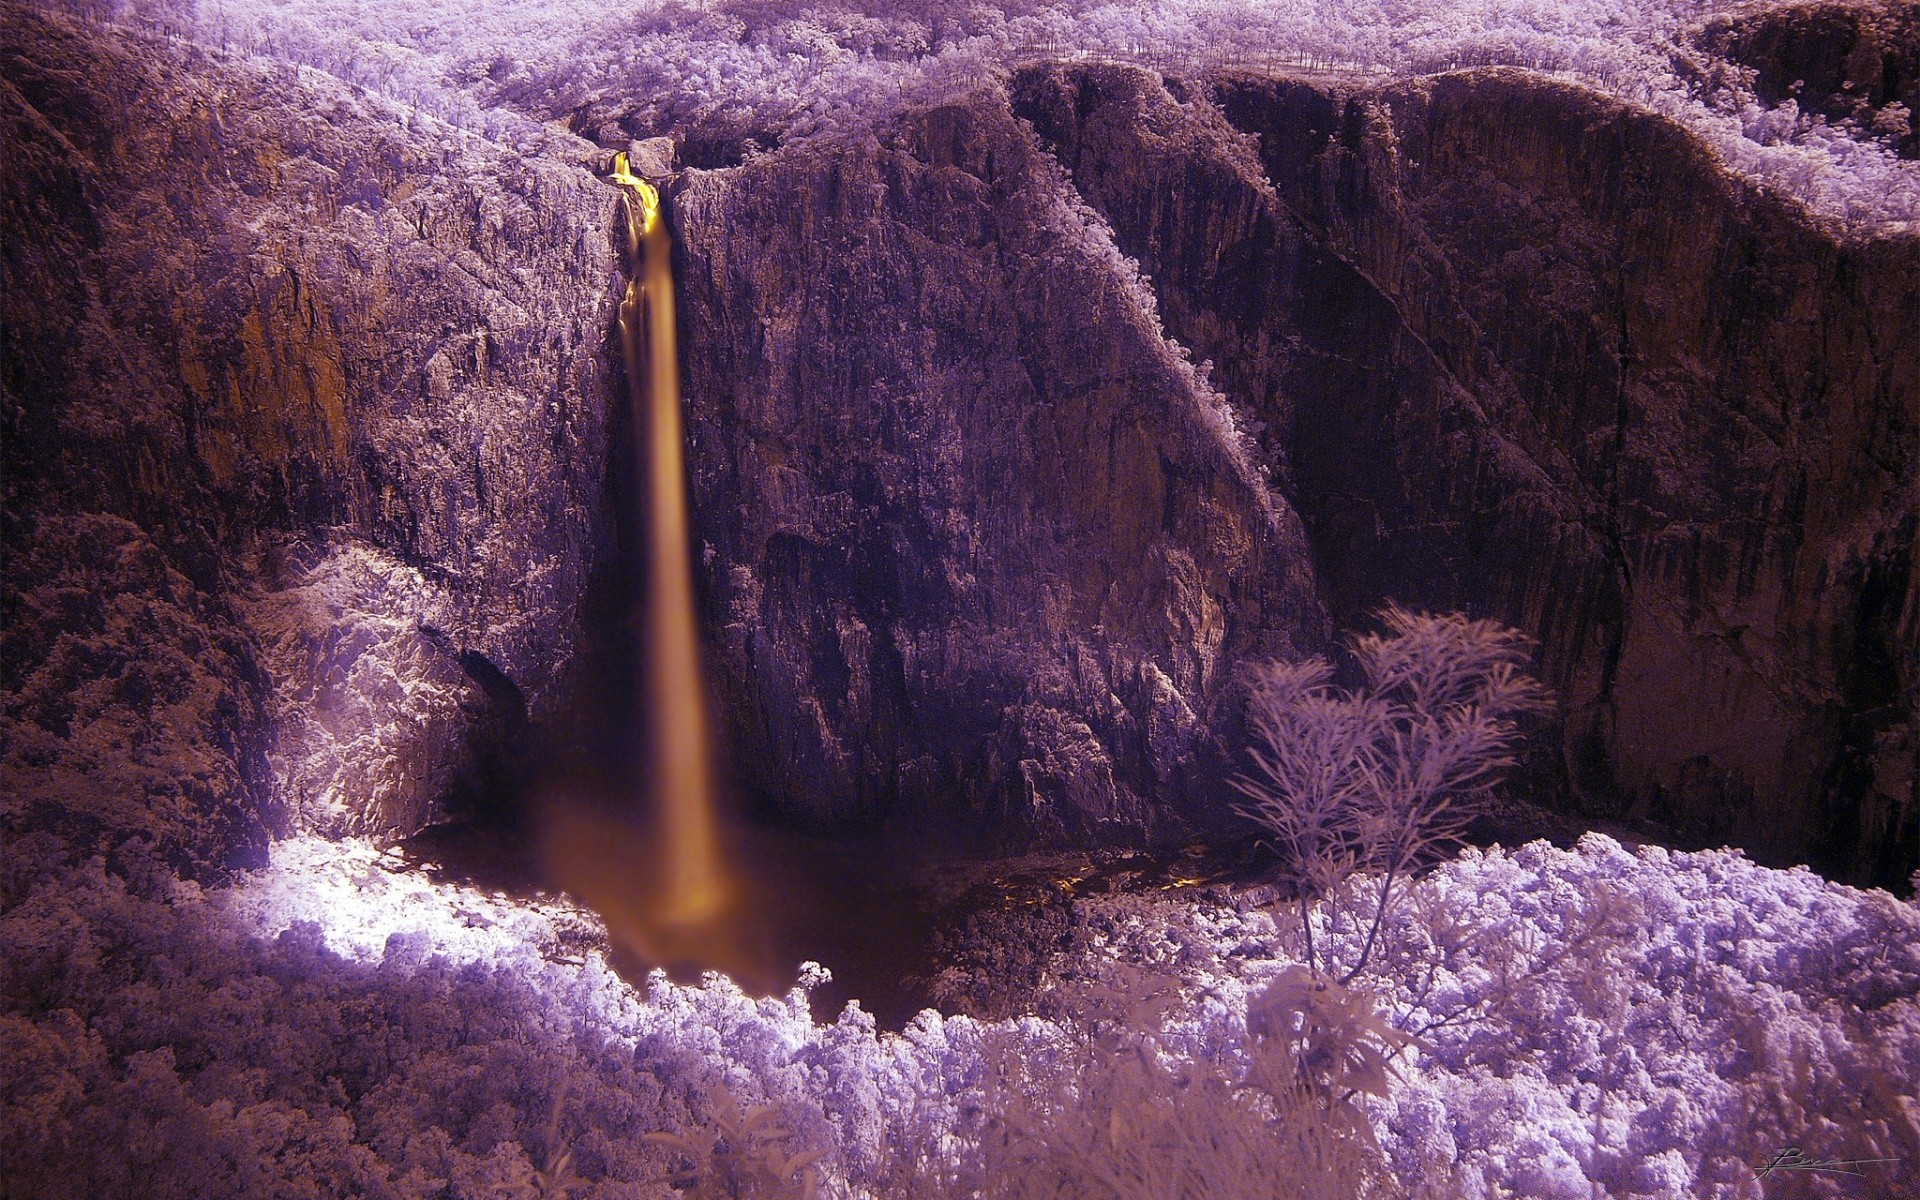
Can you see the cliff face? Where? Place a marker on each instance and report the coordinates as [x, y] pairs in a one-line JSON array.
[[302, 401], [306, 448], [1530, 354], [977, 537]]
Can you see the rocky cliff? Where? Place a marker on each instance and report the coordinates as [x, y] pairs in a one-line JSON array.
[[977, 534], [1507, 346], [1528, 352], [304, 416], [1017, 423]]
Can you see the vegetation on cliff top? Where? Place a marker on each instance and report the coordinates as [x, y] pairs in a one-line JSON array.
[[741, 76]]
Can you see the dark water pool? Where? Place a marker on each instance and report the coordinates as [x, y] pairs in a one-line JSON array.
[[898, 929]]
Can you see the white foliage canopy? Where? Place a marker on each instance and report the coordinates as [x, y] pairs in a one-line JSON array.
[[786, 69]]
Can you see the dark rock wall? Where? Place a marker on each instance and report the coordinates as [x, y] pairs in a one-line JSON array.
[[978, 539], [302, 397], [306, 407], [1530, 353]]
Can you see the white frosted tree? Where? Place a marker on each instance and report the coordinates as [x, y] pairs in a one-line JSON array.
[[1378, 777]]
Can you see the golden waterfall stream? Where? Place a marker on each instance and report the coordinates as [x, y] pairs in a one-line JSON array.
[[666, 896], [693, 888]]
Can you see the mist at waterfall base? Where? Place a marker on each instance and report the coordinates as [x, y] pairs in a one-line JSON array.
[[857, 903], [631, 816], [580, 825]]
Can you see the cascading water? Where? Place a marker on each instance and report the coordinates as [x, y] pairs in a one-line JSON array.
[[665, 889], [694, 888], [668, 898]]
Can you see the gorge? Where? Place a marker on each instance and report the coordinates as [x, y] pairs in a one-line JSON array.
[[977, 540], [1038, 384]]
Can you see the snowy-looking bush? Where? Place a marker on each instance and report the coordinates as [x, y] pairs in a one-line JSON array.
[[1602, 1021], [1382, 777]]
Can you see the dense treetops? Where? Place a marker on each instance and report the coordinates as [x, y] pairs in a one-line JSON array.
[[767, 71], [1596, 1020]]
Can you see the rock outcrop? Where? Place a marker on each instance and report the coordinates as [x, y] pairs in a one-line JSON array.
[[1528, 352], [303, 399], [979, 539]]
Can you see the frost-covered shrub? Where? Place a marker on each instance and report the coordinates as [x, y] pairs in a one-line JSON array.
[[1379, 777], [1598, 1021], [740, 1154], [1727, 1011], [155, 1047], [1116, 1117], [1333, 1047]]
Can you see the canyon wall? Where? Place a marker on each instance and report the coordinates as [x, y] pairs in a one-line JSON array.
[[304, 416], [1528, 352], [978, 538], [1017, 424], [1506, 345]]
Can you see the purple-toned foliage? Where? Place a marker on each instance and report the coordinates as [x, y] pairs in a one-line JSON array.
[[1600, 1021], [1382, 777], [1596, 1021], [753, 73]]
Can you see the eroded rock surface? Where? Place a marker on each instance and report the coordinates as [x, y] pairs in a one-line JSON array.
[[978, 537], [1528, 352], [304, 397]]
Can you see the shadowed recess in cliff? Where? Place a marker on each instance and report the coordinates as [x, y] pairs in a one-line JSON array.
[[321, 379]]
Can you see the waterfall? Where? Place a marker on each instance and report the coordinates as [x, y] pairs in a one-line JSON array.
[[665, 890], [691, 896]]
